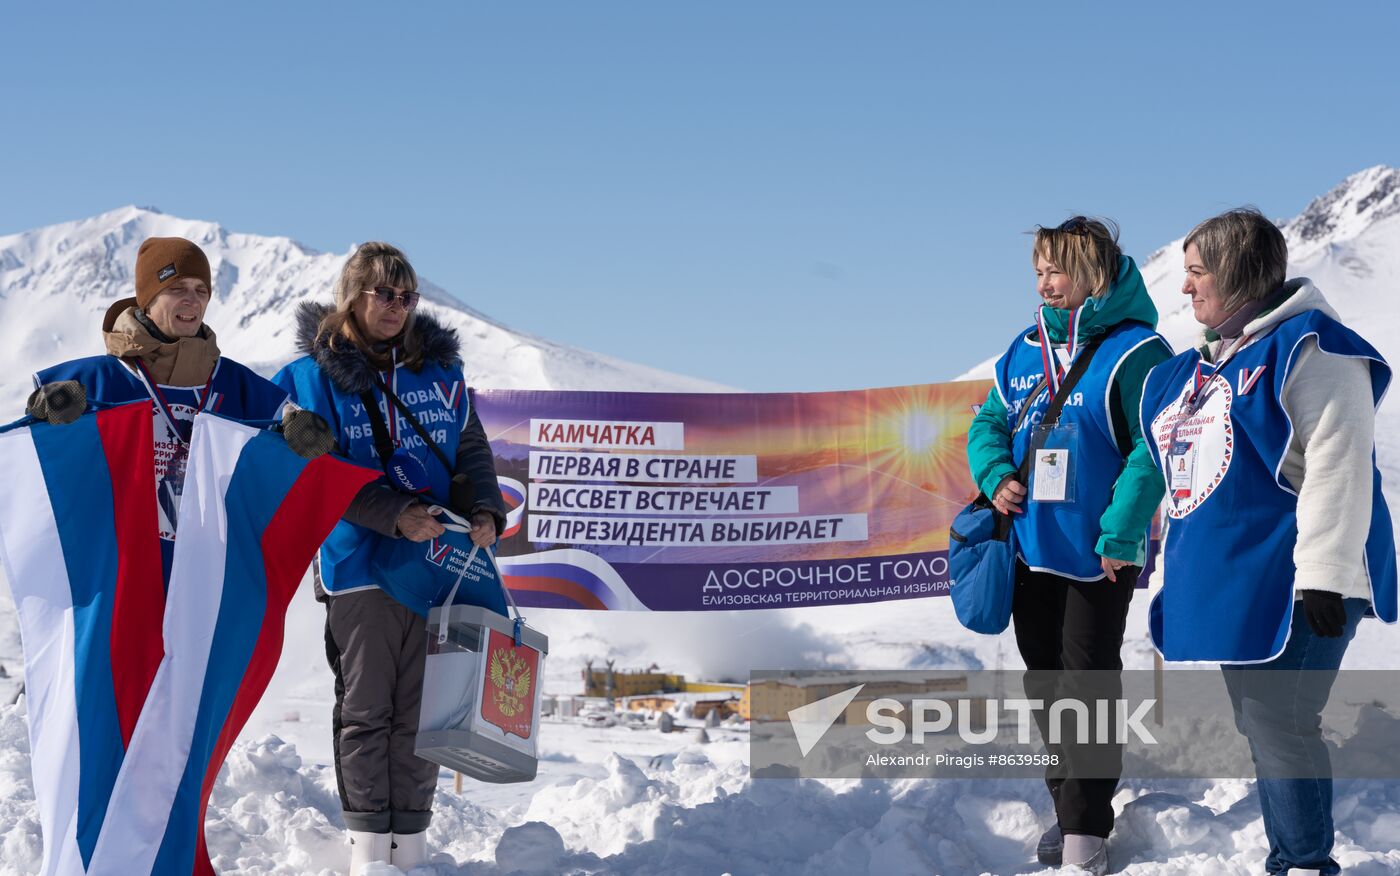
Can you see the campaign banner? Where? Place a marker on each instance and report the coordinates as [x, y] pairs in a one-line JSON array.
[[698, 501]]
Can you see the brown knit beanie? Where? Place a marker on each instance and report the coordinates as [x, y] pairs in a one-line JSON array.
[[161, 261]]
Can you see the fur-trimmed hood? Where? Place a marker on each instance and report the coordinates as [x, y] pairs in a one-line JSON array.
[[349, 369]]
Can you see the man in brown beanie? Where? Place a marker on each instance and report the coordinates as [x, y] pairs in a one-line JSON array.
[[159, 348], [163, 326]]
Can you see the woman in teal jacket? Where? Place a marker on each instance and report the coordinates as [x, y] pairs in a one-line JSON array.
[[1081, 523]]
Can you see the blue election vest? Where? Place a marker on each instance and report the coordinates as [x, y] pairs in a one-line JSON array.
[[233, 390], [439, 399], [1060, 536], [1232, 523]]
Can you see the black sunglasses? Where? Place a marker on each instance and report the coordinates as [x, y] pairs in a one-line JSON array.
[[387, 297], [1074, 225]]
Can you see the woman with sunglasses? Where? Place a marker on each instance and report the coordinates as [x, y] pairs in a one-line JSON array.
[[1081, 521], [367, 358], [1278, 537]]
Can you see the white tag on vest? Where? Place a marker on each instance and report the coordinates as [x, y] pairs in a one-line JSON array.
[[1051, 475], [1052, 468], [1181, 461]]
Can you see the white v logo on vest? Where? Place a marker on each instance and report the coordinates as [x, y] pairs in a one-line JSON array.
[[1248, 377], [447, 393]]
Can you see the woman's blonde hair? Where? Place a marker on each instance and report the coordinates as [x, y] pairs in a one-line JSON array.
[[1084, 248], [372, 264]]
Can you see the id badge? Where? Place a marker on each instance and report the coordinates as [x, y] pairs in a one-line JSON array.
[[1181, 461], [1052, 463]]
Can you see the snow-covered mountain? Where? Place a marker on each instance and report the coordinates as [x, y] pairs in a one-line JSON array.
[[1347, 241], [57, 282], [614, 801]]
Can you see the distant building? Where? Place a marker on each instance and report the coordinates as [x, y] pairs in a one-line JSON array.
[[651, 702], [629, 684], [726, 707], [701, 703], [715, 687], [857, 713], [772, 699], [626, 684]]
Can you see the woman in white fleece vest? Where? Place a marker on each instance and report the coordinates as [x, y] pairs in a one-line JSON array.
[[1278, 539]]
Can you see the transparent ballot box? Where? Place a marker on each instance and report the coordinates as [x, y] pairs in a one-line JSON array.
[[481, 694]]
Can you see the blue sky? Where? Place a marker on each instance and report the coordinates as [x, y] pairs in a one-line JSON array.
[[775, 196]]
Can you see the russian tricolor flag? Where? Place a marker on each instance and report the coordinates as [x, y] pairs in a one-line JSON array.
[[135, 693], [568, 578]]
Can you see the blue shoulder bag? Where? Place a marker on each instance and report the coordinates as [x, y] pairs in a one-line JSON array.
[[982, 542], [445, 570], [417, 574]]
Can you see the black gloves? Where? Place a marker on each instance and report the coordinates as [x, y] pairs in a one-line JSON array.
[[58, 403], [1324, 611], [307, 433]]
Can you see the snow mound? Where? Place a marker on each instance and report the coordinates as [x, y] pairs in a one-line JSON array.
[[269, 813], [21, 844], [530, 849], [690, 815]]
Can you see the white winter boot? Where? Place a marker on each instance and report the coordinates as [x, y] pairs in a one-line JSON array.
[[409, 850], [1086, 852], [367, 848]]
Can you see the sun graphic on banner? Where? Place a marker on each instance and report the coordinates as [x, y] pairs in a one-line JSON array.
[[919, 440]]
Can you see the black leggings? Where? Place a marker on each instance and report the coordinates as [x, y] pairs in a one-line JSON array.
[[1064, 624]]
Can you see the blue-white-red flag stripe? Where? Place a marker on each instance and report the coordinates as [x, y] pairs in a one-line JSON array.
[[252, 515], [137, 648], [567, 578], [75, 567]]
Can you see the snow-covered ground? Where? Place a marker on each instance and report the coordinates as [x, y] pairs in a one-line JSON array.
[[617, 800]]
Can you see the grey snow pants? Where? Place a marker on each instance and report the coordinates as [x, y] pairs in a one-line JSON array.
[[377, 648]]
